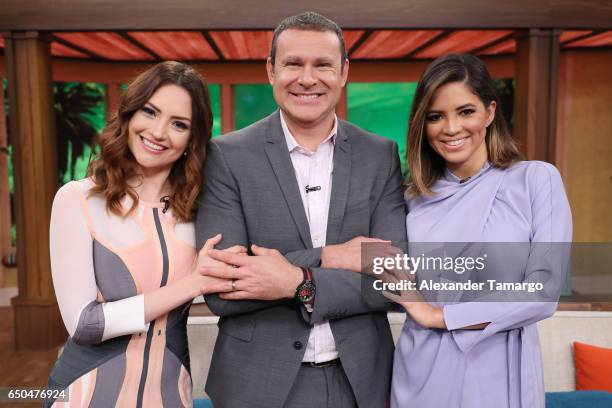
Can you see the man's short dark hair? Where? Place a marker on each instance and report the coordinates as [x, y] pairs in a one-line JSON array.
[[309, 21]]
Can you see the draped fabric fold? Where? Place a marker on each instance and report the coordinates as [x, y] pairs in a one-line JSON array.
[[507, 212]]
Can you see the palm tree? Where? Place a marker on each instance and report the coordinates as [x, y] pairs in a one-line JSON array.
[[79, 117]]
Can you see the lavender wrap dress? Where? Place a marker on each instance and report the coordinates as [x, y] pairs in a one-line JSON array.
[[499, 366]]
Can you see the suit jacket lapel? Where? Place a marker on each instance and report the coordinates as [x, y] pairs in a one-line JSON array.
[[341, 177], [278, 155]]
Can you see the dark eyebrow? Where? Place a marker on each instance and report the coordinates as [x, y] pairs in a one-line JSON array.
[[181, 118], [174, 117], [153, 106], [467, 105]]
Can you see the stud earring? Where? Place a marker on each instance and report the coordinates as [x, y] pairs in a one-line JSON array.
[[185, 153]]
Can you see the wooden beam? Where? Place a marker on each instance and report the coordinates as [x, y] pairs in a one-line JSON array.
[[228, 120], [38, 323], [342, 106], [563, 118], [585, 97], [5, 195], [76, 70], [410, 71], [67, 70], [5, 204], [77, 15], [113, 98], [535, 101]]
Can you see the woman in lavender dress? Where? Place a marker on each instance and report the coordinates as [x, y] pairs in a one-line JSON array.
[[467, 184]]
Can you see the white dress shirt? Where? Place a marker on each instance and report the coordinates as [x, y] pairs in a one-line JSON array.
[[314, 169]]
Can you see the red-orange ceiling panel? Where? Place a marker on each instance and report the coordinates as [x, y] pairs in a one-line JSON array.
[[351, 37], [176, 45], [505, 47], [108, 45], [461, 41], [393, 43], [60, 50], [243, 45], [598, 40], [570, 35], [1, 41]]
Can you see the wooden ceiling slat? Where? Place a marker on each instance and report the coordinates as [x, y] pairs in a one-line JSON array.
[[393, 43], [138, 44], [76, 47], [434, 40], [595, 40], [61, 50], [258, 44], [243, 45], [213, 45], [164, 43], [461, 41], [505, 47], [355, 46], [225, 43], [239, 40], [351, 37], [107, 44], [493, 43], [567, 36]]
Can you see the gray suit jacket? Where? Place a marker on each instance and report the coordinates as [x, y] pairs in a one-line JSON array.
[[251, 196]]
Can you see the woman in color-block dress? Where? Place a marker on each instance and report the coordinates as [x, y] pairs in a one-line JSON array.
[[123, 256]]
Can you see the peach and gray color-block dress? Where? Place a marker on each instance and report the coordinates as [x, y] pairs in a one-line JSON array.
[[102, 264]]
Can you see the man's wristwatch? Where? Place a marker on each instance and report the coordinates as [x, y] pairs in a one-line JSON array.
[[306, 290]]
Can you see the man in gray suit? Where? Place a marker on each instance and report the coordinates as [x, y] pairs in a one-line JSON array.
[[302, 189]]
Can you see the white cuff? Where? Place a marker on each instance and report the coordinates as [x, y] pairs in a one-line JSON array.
[[125, 316]]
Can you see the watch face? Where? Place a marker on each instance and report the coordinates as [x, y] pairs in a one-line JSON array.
[[306, 292]]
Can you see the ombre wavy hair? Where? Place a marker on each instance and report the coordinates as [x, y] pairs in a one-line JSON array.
[[116, 165], [425, 165]]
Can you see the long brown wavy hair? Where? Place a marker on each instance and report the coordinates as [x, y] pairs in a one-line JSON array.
[[426, 166], [116, 164]]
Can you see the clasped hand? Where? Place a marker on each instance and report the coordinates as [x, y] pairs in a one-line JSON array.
[[212, 284], [266, 275]]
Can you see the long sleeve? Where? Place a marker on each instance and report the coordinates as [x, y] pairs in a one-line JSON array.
[[220, 211], [548, 262], [87, 321], [343, 293]]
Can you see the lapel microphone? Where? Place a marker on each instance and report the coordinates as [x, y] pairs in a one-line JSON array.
[[311, 189], [464, 180], [166, 201]]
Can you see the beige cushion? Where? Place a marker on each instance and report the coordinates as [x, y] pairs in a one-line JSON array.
[[556, 337]]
